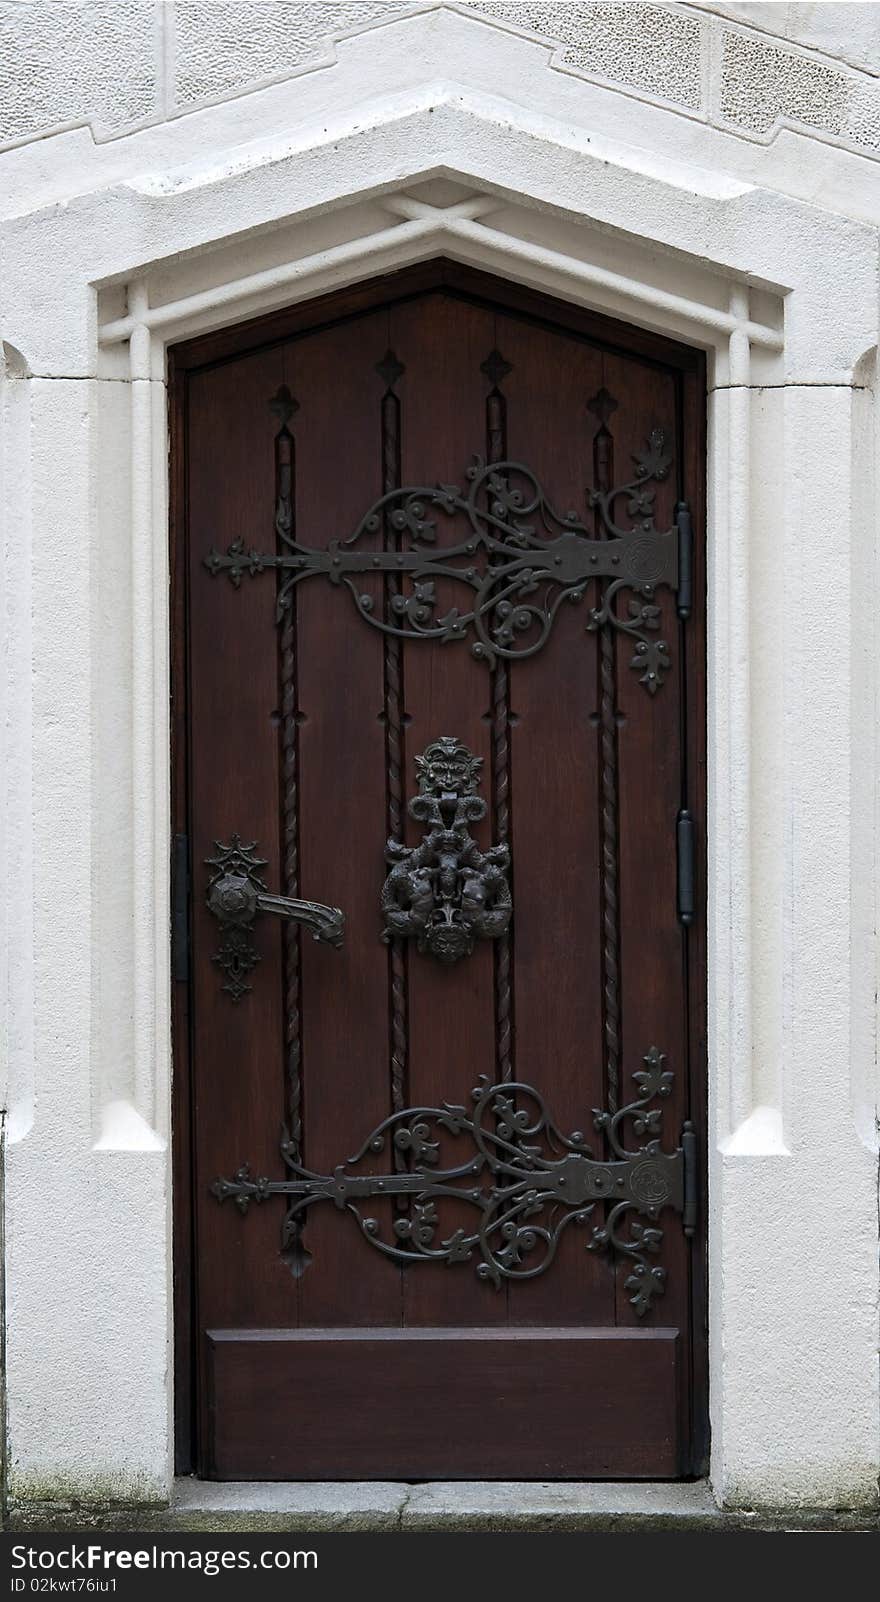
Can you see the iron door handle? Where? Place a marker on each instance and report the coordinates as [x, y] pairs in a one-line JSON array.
[[233, 899], [236, 894]]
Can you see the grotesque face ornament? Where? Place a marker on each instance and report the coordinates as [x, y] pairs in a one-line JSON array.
[[446, 767]]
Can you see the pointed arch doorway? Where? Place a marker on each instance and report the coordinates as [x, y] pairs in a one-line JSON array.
[[439, 582]]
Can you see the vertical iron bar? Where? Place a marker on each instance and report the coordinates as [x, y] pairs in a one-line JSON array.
[[284, 406], [603, 405], [390, 369], [496, 447]]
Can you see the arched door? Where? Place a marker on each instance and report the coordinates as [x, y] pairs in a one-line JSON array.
[[439, 795]]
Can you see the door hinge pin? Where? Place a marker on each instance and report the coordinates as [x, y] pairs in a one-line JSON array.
[[180, 908], [684, 836], [685, 595], [689, 1152]]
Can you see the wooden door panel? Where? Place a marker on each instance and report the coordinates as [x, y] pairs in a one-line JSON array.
[[237, 1105], [649, 786], [554, 761], [557, 1403], [441, 343], [340, 700], [330, 1344]]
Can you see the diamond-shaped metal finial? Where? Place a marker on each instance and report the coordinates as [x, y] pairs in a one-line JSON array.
[[390, 369], [602, 405], [496, 368], [283, 405]]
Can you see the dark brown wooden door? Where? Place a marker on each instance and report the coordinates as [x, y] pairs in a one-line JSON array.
[[420, 1244]]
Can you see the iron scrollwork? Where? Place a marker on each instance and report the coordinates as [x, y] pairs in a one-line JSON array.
[[526, 1180], [236, 893], [445, 892], [519, 560]]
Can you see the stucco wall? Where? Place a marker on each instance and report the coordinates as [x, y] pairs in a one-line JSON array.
[[749, 68]]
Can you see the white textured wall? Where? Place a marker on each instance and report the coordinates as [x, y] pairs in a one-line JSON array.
[[847, 32], [642, 157], [749, 68]]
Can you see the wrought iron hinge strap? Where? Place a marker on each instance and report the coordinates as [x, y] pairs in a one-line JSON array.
[[518, 562], [526, 1181], [684, 599], [686, 871], [180, 908]]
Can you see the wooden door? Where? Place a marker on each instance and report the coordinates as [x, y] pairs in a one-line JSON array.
[[438, 697]]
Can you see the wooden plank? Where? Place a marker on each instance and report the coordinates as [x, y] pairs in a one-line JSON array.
[[444, 1404], [341, 811], [234, 775], [441, 343], [554, 803], [238, 1089], [652, 942]]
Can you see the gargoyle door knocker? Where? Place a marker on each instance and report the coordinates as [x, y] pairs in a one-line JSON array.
[[446, 892]]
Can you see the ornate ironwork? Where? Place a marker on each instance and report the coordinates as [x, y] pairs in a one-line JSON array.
[[390, 369], [602, 405], [527, 1181], [236, 894], [445, 892], [496, 369], [284, 407], [519, 561]]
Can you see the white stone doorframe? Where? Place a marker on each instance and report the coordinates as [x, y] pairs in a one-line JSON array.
[[754, 279]]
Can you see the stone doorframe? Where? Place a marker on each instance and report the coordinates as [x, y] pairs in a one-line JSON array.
[[782, 297]]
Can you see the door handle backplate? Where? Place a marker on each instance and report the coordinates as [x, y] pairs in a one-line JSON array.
[[236, 894]]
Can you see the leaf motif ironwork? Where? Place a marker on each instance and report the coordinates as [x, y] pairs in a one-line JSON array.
[[527, 1181], [519, 561]]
